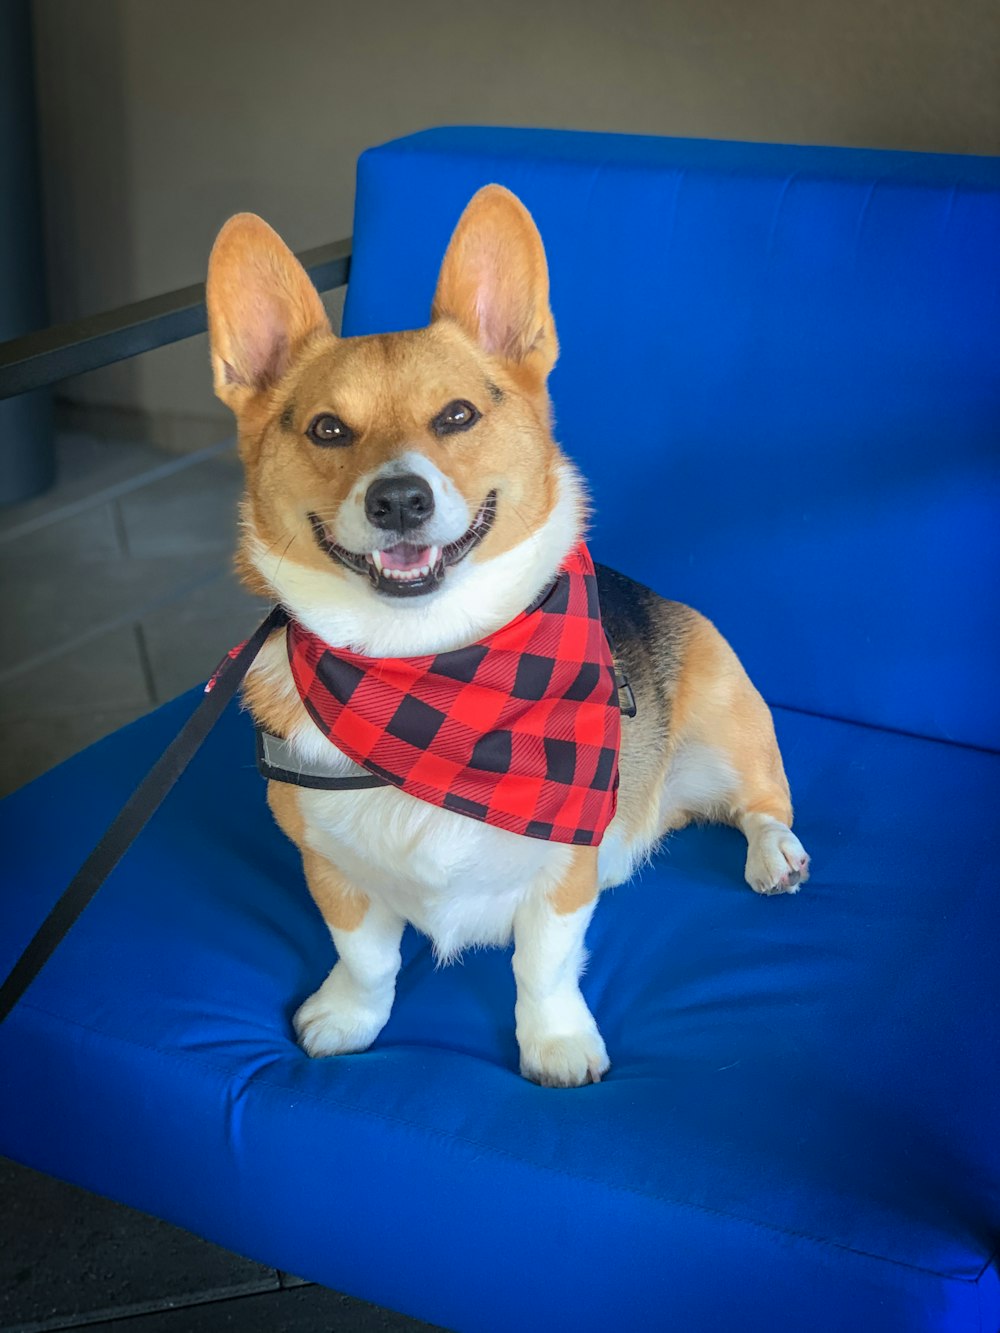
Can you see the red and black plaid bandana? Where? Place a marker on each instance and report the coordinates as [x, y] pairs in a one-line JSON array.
[[520, 730]]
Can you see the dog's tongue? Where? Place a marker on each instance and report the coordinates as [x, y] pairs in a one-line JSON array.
[[406, 557]]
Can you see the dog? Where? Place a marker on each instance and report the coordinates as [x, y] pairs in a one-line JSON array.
[[406, 503]]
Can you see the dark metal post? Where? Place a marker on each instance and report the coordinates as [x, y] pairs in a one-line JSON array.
[[27, 458]]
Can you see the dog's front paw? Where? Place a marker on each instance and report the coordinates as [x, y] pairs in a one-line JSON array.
[[776, 861], [339, 1018], [566, 1059]]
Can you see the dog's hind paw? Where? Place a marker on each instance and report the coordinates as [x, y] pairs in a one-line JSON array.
[[776, 860]]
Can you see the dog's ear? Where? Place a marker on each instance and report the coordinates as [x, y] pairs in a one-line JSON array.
[[261, 309], [495, 282]]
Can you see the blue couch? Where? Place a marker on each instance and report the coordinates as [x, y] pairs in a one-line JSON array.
[[780, 372]]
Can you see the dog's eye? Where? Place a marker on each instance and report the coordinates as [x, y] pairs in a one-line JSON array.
[[458, 415], [327, 429]]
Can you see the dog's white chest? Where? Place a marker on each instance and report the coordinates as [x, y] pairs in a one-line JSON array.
[[456, 879]]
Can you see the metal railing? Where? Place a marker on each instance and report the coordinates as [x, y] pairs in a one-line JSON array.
[[49, 355]]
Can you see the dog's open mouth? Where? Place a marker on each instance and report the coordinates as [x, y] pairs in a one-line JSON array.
[[408, 570]]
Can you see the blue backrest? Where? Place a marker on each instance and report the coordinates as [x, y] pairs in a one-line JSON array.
[[780, 373]]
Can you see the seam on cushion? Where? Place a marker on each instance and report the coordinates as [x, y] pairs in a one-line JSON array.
[[889, 731], [201, 1062]]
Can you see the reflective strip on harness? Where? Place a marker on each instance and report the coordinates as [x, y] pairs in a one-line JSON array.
[[277, 760]]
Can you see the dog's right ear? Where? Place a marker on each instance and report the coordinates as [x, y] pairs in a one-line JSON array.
[[262, 308]]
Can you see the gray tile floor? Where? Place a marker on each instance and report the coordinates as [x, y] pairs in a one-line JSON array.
[[118, 594], [118, 591]]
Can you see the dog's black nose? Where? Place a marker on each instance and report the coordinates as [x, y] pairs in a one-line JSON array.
[[398, 504]]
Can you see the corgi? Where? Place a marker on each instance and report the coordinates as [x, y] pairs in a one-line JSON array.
[[405, 501]]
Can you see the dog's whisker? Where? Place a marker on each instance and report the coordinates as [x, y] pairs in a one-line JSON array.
[[277, 568], [277, 542]]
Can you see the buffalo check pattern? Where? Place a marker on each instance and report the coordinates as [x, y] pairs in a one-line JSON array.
[[521, 730]]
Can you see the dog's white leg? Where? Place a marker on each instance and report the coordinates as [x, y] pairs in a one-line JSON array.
[[776, 860], [558, 1038], [352, 1006]]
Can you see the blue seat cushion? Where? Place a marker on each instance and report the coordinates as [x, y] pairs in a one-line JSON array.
[[775, 360], [801, 1128]]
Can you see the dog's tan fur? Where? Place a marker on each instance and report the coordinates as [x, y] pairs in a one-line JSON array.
[[716, 704], [342, 905], [702, 744], [578, 885]]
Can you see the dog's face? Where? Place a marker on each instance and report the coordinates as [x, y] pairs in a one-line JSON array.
[[404, 493]]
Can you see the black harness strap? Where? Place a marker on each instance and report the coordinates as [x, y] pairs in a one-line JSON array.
[[134, 815]]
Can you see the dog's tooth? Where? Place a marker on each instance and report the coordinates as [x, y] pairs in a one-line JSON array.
[[435, 555], [376, 559]]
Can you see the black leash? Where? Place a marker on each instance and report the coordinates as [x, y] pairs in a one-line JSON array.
[[147, 798], [135, 814]]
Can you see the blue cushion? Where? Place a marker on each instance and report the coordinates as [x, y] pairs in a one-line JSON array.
[[792, 355], [800, 1129]]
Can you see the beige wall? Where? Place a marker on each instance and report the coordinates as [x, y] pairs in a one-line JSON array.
[[162, 117]]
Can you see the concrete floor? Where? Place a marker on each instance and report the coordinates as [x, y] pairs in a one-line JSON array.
[[118, 595]]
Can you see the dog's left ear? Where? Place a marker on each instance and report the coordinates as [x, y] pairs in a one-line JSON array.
[[495, 282], [262, 308]]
